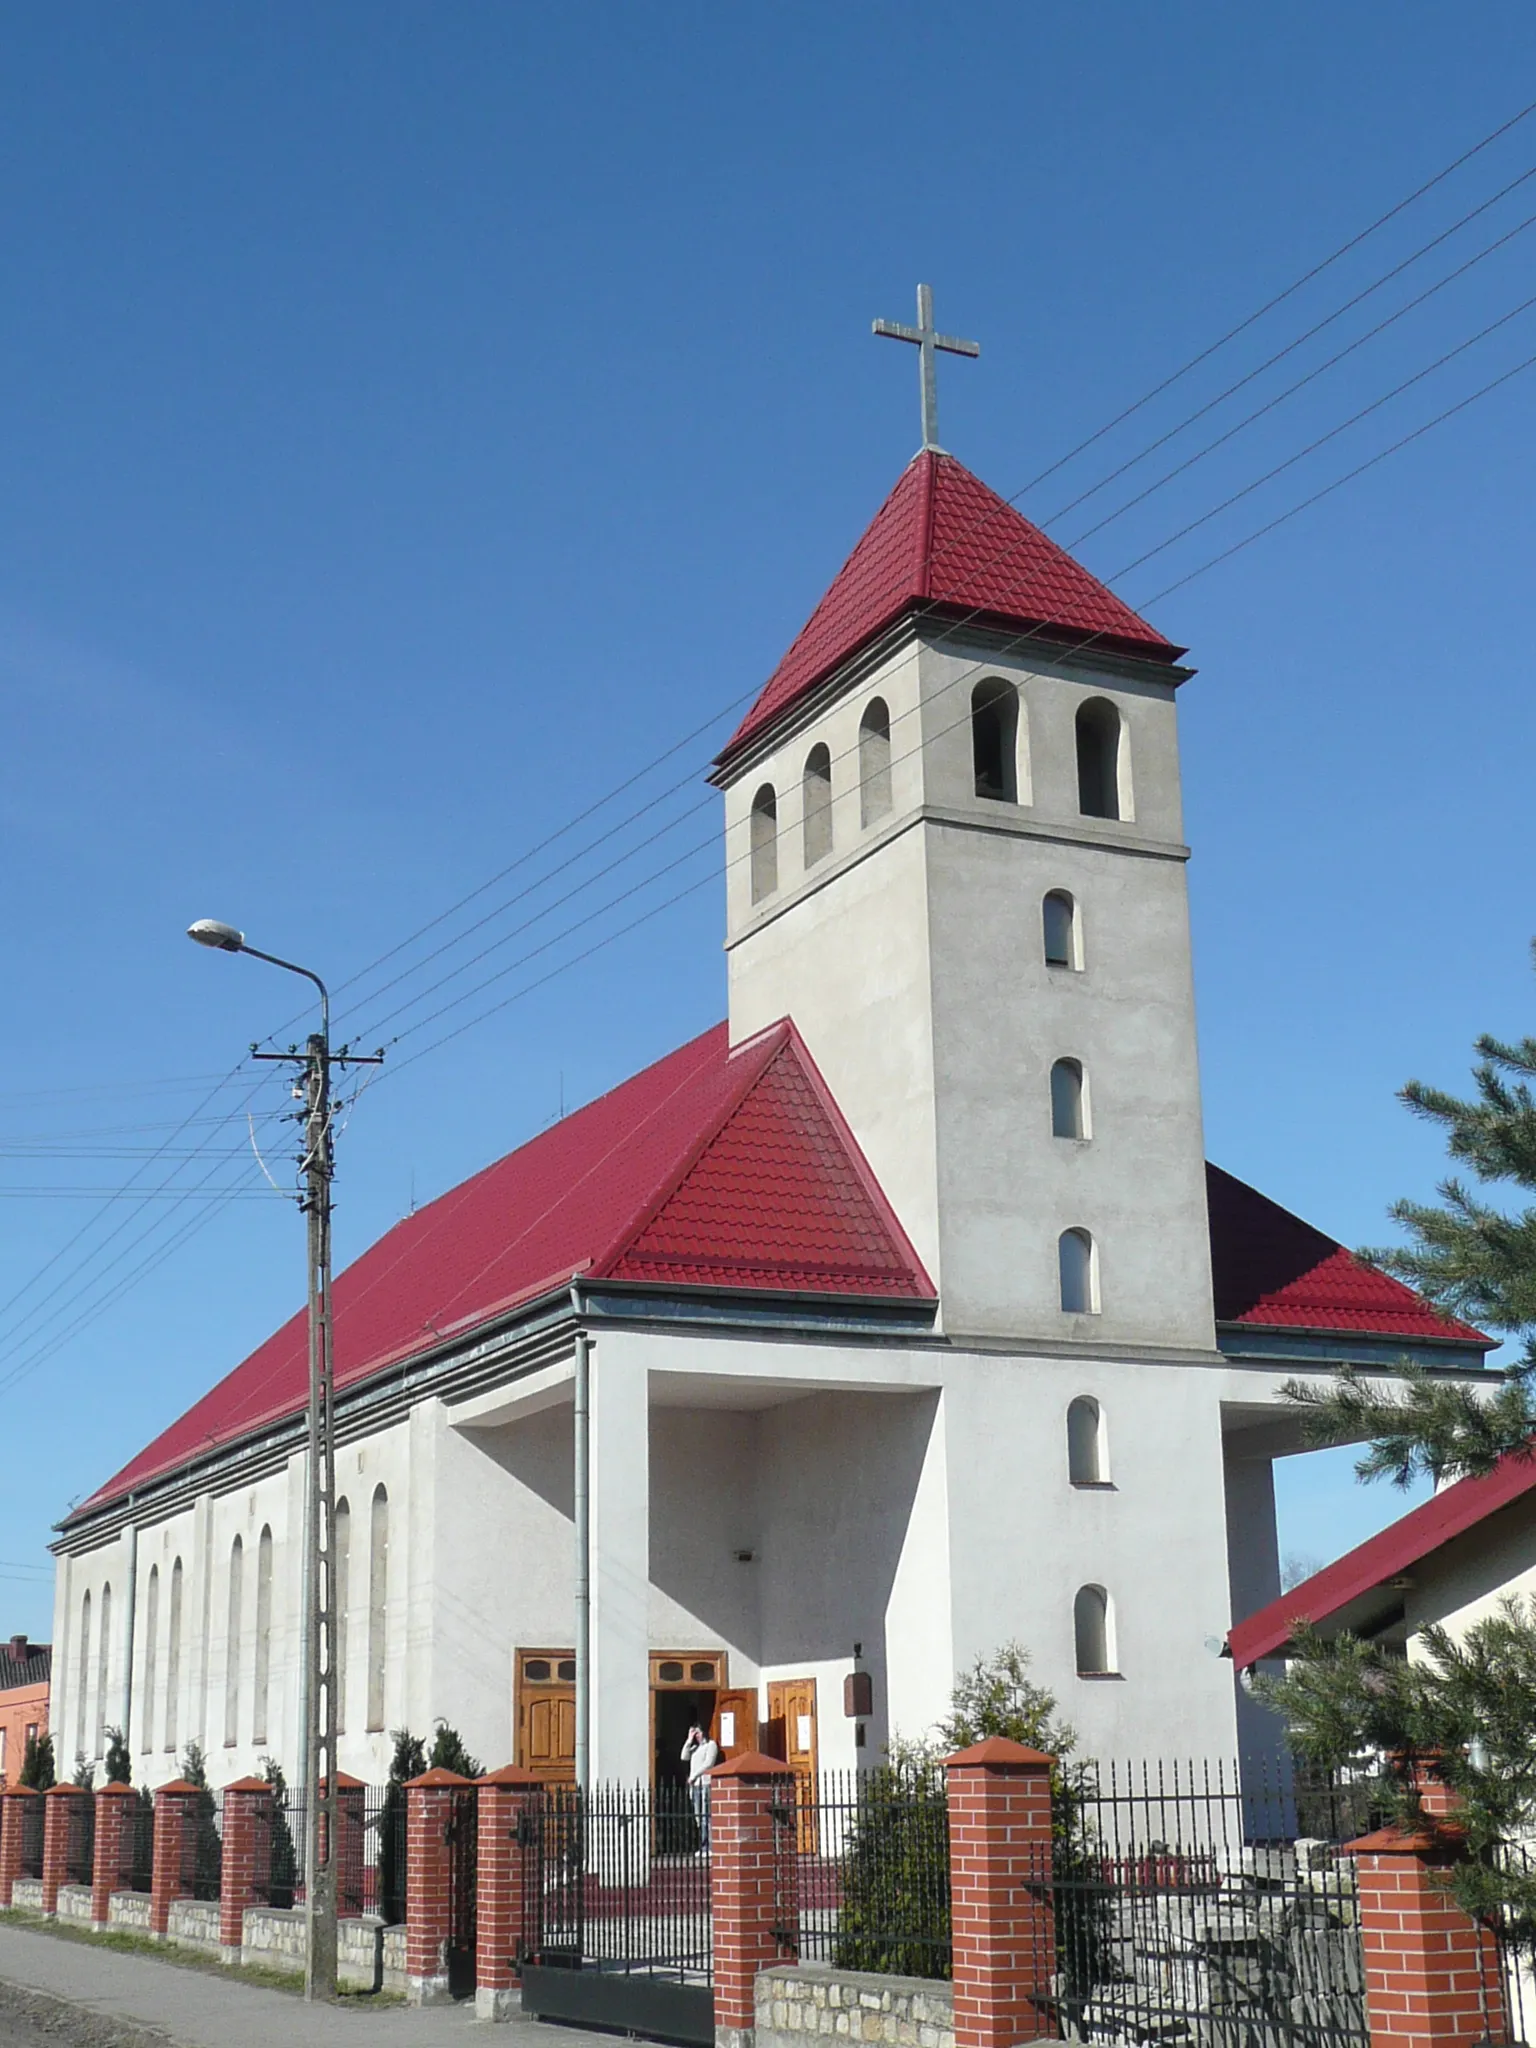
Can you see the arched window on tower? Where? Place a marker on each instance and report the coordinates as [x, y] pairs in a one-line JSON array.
[[263, 1637], [1087, 1448], [1098, 759], [995, 740], [765, 843], [103, 1671], [173, 1660], [151, 1656], [816, 799], [84, 1675], [1069, 1100], [343, 1596], [874, 761], [1093, 1630], [232, 1652], [378, 1605], [1079, 1274], [1059, 917]]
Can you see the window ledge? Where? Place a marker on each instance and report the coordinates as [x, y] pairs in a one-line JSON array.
[[1098, 1675], [1092, 1485]]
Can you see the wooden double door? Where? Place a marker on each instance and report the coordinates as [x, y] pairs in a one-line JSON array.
[[686, 1686], [790, 1734]]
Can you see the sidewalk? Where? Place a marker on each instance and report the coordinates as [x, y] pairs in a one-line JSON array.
[[195, 2009]]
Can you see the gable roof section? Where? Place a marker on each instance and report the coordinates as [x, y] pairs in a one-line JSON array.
[[32, 1668], [1381, 1558], [943, 539], [711, 1168], [1272, 1271]]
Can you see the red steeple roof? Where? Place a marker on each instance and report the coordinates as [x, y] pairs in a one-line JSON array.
[[1272, 1271], [943, 539], [712, 1168]]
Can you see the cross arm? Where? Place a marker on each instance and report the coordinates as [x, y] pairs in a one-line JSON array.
[[896, 332], [957, 348]]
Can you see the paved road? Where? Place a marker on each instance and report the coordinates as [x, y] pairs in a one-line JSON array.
[[61, 1993]]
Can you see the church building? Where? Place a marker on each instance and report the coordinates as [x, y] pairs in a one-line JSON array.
[[917, 1321]]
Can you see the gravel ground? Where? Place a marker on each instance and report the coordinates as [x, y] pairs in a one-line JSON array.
[[30, 2019]]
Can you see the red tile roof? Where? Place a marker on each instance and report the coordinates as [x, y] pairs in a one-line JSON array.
[[1381, 1557], [711, 1168], [943, 539], [1272, 1271]]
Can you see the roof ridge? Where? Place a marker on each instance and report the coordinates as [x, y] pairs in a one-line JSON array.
[[759, 1054]]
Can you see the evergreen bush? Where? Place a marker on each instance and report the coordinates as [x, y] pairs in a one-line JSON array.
[[119, 1764], [37, 1767]]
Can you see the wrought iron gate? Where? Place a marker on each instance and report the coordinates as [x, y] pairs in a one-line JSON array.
[[463, 1862], [616, 1922]]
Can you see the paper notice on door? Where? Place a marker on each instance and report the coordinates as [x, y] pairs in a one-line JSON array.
[[803, 1732], [727, 1731]]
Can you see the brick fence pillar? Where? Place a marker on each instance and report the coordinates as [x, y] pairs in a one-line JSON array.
[[114, 1806], [13, 1804], [1432, 1976], [752, 1848], [1002, 1917], [505, 1797], [245, 1870], [429, 1884], [58, 1809], [351, 1794], [175, 1818]]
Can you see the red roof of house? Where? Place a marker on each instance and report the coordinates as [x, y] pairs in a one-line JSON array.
[[943, 539], [1381, 1558], [1272, 1271], [712, 1168]]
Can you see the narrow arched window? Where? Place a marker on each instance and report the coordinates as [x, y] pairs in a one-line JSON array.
[[874, 761], [343, 1578], [263, 1637], [816, 799], [1059, 916], [232, 1651], [173, 1660], [1093, 1632], [1069, 1100], [103, 1671], [995, 740], [1098, 759], [765, 843], [151, 1656], [1087, 1451], [378, 1605], [82, 1701], [1079, 1275]]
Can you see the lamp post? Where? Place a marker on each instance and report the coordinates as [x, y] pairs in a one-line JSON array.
[[319, 1663]]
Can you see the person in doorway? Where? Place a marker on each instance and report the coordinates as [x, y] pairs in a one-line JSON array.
[[701, 1753]]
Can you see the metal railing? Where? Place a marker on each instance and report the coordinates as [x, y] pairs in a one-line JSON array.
[[202, 1847], [33, 1813], [861, 1875], [136, 1867], [1186, 1898], [384, 1853], [80, 1841]]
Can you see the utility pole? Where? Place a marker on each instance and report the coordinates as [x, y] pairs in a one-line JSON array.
[[320, 1670]]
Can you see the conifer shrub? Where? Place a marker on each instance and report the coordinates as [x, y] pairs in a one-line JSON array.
[[37, 1766], [119, 1764]]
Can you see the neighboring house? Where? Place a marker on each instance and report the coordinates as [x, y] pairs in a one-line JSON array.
[[1450, 1561], [24, 1676], [919, 1322]]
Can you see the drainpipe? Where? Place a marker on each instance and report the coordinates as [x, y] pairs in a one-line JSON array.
[[582, 1515], [132, 1602]]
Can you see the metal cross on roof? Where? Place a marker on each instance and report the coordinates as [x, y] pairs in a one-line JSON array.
[[928, 342]]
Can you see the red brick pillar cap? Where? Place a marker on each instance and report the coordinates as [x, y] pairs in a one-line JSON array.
[[18, 1791], [117, 1790], [435, 1777], [1444, 1839], [66, 1792], [343, 1783], [248, 1785], [181, 1788], [998, 1753], [510, 1774], [751, 1764]]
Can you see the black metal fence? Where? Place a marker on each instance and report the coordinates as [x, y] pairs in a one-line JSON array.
[[1187, 1900], [202, 1847], [136, 1868], [862, 1871], [32, 1819], [80, 1841], [384, 1852]]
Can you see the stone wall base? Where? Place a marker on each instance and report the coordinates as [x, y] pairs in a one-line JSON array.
[[129, 1911], [74, 1904], [27, 1894], [802, 2003], [194, 1923], [492, 2003]]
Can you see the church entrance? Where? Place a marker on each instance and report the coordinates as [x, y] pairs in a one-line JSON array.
[[546, 1714], [685, 1689]]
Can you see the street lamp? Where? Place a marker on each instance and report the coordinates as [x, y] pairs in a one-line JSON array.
[[319, 1670]]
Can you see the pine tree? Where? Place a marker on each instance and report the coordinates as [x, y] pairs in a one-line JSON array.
[[1472, 1259], [119, 1764], [37, 1765], [85, 1775], [449, 1753]]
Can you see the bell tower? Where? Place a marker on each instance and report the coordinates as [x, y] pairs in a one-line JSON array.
[[954, 855]]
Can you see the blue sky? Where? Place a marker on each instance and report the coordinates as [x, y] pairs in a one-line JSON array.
[[417, 421]]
